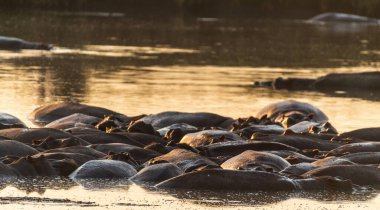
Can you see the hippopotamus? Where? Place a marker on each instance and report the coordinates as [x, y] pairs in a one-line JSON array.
[[33, 166], [199, 119], [335, 17], [355, 148], [143, 138], [104, 138], [71, 120], [313, 127], [298, 169], [330, 82], [47, 113], [52, 143], [12, 43], [299, 141], [78, 149], [366, 134], [185, 128], [363, 157], [292, 157], [264, 129], [207, 137], [10, 121], [331, 161], [137, 153], [78, 158], [28, 135], [358, 174], [232, 180], [233, 148], [254, 160], [7, 172], [15, 148], [184, 159], [157, 173], [103, 169], [290, 112]]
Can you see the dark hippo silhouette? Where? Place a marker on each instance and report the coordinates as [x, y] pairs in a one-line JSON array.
[[199, 119], [28, 135], [299, 141], [71, 120], [254, 160], [250, 181], [157, 173], [103, 169], [291, 112], [78, 149], [298, 169], [334, 17], [105, 138], [184, 159], [355, 148], [349, 82], [331, 161], [49, 112], [367, 134], [52, 143], [185, 128], [78, 158], [233, 148], [10, 121], [292, 157], [263, 129], [15, 148], [33, 166], [137, 153], [7, 172], [207, 137], [363, 157], [358, 174], [143, 138], [12, 43]]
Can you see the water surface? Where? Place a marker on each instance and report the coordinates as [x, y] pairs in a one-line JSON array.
[[148, 65]]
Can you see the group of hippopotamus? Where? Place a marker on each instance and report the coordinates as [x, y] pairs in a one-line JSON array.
[[288, 145]]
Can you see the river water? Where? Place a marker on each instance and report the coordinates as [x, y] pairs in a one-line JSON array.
[[148, 65]]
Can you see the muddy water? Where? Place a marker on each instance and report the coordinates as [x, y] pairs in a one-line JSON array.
[[149, 65]]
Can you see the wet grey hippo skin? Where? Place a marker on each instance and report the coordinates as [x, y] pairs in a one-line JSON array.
[[10, 121], [12, 43], [334, 17], [157, 173], [49, 112], [290, 112], [103, 169]]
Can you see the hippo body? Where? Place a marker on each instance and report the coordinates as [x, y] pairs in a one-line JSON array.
[[71, 120], [12, 43], [103, 169], [50, 112], [199, 119], [252, 160], [157, 173], [283, 111], [15, 148], [334, 17], [184, 159], [207, 137], [10, 121]]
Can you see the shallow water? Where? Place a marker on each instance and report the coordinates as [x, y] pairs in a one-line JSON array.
[[149, 65]]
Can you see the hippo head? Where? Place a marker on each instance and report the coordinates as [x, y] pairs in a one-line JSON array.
[[41, 165], [293, 117]]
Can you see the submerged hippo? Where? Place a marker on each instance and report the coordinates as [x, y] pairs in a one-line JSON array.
[[250, 181], [157, 173], [184, 159], [291, 112], [12, 43], [49, 112], [71, 120], [254, 160], [10, 121], [103, 169], [329, 83], [207, 137], [15, 148], [335, 17], [199, 119]]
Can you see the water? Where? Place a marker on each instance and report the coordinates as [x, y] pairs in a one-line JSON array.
[[138, 65]]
